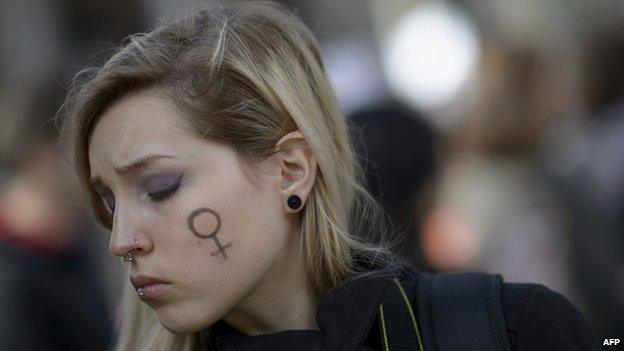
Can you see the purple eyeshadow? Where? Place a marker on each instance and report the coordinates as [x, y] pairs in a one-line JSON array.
[[161, 182]]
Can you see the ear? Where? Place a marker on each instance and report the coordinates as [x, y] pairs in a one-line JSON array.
[[298, 168]]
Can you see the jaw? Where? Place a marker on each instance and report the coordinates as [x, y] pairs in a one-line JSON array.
[[281, 300]]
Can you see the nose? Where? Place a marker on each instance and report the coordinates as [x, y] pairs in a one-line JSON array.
[[127, 234]]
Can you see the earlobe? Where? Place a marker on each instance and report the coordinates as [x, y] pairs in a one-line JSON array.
[[298, 170]]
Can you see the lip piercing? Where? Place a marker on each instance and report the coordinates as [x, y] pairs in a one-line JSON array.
[[141, 294], [128, 256]]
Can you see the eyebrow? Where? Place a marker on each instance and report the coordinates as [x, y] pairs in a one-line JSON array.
[[96, 182]]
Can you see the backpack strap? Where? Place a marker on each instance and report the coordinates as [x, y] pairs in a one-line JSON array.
[[465, 311], [456, 311], [397, 320]]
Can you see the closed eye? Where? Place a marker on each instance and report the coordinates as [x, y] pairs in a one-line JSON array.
[[166, 191], [164, 194]]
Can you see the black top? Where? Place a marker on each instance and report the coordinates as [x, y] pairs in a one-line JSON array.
[[536, 319]]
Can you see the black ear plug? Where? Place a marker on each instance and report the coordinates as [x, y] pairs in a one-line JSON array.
[[294, 202]]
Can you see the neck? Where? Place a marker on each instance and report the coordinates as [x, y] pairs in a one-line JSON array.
[[283, 301]]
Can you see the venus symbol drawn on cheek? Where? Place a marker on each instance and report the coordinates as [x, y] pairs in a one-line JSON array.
[[209, 219]]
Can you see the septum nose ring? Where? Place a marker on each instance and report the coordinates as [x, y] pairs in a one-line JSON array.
[[128, 256]]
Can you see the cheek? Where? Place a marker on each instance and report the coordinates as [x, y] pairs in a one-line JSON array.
[[224, 239], [250, 225], [229, 235], [253, 225], [258, 221]]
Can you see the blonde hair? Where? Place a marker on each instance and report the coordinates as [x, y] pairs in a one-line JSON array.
[[245, 75]]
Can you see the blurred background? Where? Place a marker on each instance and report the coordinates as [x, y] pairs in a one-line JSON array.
[[492, 132]]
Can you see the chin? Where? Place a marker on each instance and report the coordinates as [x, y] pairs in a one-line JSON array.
[[178, 322], [179, 329]]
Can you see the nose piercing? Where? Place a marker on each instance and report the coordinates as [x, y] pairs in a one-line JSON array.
[[128, 256]]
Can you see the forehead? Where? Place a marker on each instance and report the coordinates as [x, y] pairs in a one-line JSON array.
[[135, 126]]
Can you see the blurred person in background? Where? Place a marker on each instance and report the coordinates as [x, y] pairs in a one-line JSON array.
[[587, 163], [397, 149], [505, 201], [47, 240], [494, 208], [51, 295], [487, 90]]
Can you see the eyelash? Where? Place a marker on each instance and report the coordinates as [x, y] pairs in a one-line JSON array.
[[155, 197], [164, 194]]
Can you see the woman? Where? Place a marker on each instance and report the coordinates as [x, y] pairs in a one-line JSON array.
[[214, 150]]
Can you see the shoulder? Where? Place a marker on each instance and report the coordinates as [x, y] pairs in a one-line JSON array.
[[539, 318]]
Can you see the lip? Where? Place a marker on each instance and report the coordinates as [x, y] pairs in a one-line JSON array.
[[149, 287]]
